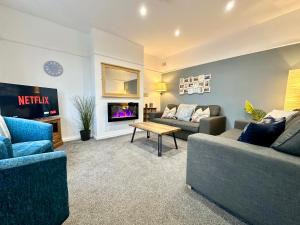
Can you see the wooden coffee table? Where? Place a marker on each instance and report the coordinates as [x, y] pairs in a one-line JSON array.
[[156, 128]]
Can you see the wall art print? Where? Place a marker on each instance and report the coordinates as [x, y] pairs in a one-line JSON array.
[[195, 84]]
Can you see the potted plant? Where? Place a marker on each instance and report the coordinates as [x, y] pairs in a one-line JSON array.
[[255, 114], [85, 107]]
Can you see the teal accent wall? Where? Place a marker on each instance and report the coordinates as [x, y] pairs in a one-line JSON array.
[[259, 77]]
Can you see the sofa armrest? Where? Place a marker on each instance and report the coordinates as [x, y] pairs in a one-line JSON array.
[[241, 124], [34, 189], [213, 125], [153, 115], [22, 130], [258, 184]]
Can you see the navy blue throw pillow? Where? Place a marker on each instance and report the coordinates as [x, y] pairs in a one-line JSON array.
[[263, 134]]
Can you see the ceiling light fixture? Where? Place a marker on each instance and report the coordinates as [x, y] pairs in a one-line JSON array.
[[143, 11], [177, 33], [229, 6]]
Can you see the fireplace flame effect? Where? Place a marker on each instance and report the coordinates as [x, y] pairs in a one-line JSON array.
[[125, 112]]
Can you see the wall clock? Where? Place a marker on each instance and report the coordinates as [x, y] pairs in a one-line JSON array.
[[53, 68]]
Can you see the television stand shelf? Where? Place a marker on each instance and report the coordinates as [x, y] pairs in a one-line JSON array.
[[55, 121]]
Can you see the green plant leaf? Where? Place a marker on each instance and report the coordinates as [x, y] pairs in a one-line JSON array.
[[85, 107]]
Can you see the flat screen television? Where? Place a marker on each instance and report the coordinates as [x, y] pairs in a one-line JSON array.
[[28, 102]]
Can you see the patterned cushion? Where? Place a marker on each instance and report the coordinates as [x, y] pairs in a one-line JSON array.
[[200, 114], [30, 148], [185, 111], [169, 113], [277, 114], [214, 109]]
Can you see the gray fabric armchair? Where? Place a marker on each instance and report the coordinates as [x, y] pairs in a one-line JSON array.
[[213, 125]]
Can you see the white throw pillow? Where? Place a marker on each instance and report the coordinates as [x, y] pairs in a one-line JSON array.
[[169, 113], [185, 111], [277, 114], [3, 128], [200, 114]]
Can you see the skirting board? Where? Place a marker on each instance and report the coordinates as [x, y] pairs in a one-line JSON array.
[[73, 138], [116, 134], [77, 137]]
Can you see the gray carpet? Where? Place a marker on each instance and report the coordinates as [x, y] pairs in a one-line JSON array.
[[114, 181]]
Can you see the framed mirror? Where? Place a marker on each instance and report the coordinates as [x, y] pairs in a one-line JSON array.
[[120, 82]]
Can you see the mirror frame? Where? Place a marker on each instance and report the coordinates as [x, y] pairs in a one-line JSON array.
[[104, 67]]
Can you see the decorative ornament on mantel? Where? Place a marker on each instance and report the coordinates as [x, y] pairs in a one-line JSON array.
[[53, 68]]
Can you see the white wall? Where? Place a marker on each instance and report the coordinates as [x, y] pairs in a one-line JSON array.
[[121, 52], [278, 32], [27, 42]]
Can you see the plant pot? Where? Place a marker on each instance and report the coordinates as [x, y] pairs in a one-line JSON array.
[[85, 135]]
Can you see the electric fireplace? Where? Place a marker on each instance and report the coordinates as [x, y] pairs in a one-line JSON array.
[[122, 111]]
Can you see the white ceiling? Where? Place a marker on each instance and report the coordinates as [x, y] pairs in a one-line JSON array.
[[200, 21]]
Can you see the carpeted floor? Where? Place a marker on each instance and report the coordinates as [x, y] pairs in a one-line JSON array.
[[114, 181]]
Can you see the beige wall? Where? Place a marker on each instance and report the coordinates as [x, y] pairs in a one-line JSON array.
[[150, 95]]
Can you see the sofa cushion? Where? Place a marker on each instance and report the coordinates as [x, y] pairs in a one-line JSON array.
[[277, 114], [184, 125], [30, 148], [171, 106], [214, 109], [200, 114], [289, 140], [263, 134], [169, 113], [233, 134], [185, 111]]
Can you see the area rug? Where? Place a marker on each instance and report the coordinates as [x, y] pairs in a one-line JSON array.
[[116, 182]]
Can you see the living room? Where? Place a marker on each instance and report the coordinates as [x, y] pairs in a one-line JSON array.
[[149, 112]]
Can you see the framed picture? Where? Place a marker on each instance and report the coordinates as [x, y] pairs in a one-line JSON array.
[[190, 91], [195, 84], [207, 89], [207, 76], [207, 83], [200, 90], [201, 78], [195, 79]]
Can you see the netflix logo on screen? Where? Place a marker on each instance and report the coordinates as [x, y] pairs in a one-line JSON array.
[[27, 100]]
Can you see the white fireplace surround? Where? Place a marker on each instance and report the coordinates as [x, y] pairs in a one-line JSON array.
[[119, 52]]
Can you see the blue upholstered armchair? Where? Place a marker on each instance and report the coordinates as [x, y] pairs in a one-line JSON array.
[[33, 186], [28, 137]]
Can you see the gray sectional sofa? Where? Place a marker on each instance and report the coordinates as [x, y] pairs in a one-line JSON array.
[[214, 125], [258, 184]]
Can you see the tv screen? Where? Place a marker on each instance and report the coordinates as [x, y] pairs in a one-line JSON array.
[[28, 102]]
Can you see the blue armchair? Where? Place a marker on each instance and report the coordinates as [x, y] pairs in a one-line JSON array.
[[28, 137], [33, 189], [33, 186]]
